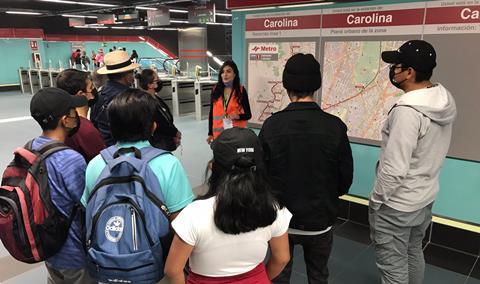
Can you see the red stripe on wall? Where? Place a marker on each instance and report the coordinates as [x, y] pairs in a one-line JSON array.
[[236, 4]]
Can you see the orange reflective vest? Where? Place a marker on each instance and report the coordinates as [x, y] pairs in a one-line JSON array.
[[232, 107]]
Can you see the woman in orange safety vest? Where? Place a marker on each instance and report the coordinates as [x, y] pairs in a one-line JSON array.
[[229, 102]]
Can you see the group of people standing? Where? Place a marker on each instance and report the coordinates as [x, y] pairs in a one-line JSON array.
[[265, 193], [81, 61]]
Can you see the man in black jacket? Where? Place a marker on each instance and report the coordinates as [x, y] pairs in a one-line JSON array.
[[119, 70], [309, 160]]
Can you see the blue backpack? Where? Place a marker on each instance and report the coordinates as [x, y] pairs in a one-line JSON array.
[[127, 221]]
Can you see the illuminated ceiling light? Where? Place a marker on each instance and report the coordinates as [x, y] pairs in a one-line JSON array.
[[218, 61], [142, 38], [163, 29], [178, 11], [209, 54], [78, 16], [80, 3], [222, 24], [223, 14], [145, 8], [22, 13], [179, 21]]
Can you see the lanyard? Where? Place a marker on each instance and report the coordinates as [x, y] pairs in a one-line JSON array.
[[226, 101]]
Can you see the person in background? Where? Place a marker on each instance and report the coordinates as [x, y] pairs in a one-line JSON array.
[[229, 105], [226, 233], [119, 70], [134, 56], [99, 81], [85, 60], [76, 59], [93, 58], [99, 57], [415, 141], [54, 110], [131, 120], [309, 161], [87, 140], [166, 135]]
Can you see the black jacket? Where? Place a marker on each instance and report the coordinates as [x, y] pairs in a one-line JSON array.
[[309, 160], [164, 135], [99, 116]]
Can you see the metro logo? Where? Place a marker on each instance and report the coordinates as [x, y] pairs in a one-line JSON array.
[[265, 49]]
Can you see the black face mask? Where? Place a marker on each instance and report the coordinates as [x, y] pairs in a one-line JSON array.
[[72, 131], [93, 101], [159, 86], [391, 76]]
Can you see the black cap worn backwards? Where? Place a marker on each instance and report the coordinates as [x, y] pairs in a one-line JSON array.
[[51, 103], [235, 143], [418, 54]]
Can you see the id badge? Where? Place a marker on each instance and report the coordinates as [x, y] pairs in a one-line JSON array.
[[227, 123]]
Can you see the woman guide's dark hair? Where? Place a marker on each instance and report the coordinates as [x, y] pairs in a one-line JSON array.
[[244, 200], [218, 92], [131, 115]]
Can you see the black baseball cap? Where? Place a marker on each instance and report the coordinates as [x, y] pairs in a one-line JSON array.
[[234, 143], [418, 54], [51, 103]]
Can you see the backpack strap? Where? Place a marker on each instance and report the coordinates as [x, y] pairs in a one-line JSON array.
[[150, 153], [114, 156]]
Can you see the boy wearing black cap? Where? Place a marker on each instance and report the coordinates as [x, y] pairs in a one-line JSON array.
[[54, 110], [309, 160], [415, 141]]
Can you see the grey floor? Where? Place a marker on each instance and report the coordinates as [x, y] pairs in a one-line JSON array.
[[352, 258]]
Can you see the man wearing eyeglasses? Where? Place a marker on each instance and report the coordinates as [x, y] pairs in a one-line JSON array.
[[415, 142]]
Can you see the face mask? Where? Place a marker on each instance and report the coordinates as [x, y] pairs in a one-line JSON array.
[[159, 86], [95, 98], [228, 84], [391, 76], [72, 131]]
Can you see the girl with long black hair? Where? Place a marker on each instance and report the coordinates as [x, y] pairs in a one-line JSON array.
[[225, 234]]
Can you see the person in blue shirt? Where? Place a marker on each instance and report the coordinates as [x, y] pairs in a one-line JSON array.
[[131, 116], [54, 110]]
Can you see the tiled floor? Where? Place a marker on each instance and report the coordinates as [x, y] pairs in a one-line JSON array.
[[352, 259]]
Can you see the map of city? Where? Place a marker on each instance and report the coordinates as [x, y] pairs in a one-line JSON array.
[[356, 87], [265, 67]]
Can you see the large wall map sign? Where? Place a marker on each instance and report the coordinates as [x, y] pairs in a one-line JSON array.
[[267, 61], [356, 87]]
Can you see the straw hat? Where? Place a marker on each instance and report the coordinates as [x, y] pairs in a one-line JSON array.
[[117, 61]]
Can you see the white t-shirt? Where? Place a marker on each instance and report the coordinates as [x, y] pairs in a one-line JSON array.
[[217, 254]]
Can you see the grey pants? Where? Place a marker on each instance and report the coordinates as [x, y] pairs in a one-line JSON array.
[[68, 276], [397, 237]]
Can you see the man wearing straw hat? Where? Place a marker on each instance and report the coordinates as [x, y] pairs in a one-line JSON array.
[[119, 70]]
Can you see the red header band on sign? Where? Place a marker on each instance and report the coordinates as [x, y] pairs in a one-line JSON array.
[[284, 23], [237, 4], [374, 19], [453, 15]]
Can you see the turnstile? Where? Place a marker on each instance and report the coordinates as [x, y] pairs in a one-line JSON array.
[[24, 80], [34, 77], [203, 91]]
